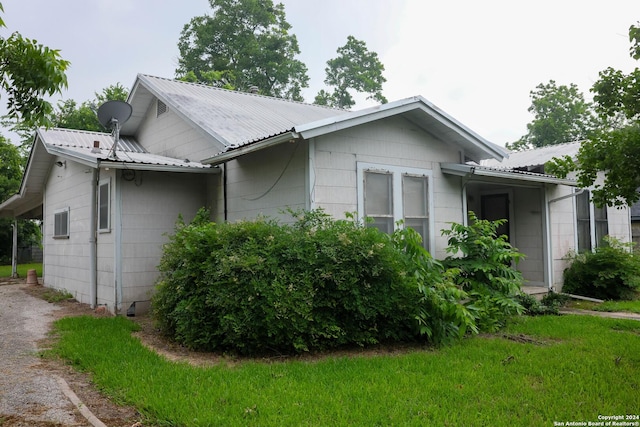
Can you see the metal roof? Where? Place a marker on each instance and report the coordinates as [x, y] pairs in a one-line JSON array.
[[534, 157], [244, 122], [499, 173], [232, 118], [78, 145]]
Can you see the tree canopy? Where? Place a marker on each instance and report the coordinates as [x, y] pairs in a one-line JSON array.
[[244, 43], [354, 68], [615, 146], [11, 167], [561, 115], [29, 71], [70, 115]]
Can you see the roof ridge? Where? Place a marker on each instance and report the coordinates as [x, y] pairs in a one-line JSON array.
[[77, 131], [238, 92]]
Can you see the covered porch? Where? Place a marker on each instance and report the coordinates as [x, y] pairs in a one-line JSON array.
[[522, 198]]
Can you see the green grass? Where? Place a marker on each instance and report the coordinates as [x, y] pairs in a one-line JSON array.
[[632, 306], [572, 369], [5, 270]]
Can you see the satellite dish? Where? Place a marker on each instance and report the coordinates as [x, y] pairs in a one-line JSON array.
[[112, 112], [111, 115]]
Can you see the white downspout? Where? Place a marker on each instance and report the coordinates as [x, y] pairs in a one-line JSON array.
[[93, 238], [117, 245]]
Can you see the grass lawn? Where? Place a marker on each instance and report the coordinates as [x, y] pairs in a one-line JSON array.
[[5, 270], [632, 306], [537, 371]]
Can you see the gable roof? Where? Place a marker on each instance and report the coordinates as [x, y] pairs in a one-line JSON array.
[[231, 118], [240, 122]]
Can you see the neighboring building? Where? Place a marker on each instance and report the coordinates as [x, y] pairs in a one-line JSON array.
[[241, 155]]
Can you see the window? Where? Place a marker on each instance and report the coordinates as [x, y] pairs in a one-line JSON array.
[[388, 194], [104, 199], [61, 224], [592, 223]]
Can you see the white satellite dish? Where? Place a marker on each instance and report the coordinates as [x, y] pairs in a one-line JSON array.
[[112, 114]]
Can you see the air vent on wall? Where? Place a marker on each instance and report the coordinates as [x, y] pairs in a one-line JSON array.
[[161, 108]]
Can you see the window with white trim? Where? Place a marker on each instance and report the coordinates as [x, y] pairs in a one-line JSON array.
[[104, 203], [61, 223], [388, 194], [592, 222]]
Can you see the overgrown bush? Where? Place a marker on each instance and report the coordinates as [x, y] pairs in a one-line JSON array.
[[487, 273], [259, 286], [611, 272]]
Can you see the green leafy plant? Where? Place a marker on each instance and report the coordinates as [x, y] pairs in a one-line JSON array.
[[485, 262], [549, 304], [611, 272], [258, 286], [442, 316]]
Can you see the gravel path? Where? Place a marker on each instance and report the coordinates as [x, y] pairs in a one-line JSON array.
[[29, 394]]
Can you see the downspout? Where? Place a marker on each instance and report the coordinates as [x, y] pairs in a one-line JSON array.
[[117, 245], [550, 275], [14, 249], [93, 238], [224, 191]]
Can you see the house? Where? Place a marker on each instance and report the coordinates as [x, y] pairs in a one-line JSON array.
[[107, 210]]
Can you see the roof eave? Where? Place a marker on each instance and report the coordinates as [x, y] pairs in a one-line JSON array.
[[468, 170], [115, 164], [250, 148]]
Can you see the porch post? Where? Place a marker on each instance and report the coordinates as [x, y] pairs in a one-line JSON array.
[[14, 250]]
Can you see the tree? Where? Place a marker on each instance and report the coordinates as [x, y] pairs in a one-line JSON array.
[[70, 115], [246, 43], [28, 72], [560, 115], [615, 147], [11, 167], [355, 68]]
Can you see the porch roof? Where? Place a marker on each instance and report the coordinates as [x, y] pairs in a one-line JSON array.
[[460, 169]]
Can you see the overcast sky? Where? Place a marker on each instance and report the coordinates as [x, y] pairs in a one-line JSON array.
[[476, 60]]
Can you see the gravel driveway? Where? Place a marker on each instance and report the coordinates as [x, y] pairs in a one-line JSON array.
[[29, 394]]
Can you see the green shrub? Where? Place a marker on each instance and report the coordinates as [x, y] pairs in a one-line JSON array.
[[258, 286], [611, 272], [485, 262], [550, 303]]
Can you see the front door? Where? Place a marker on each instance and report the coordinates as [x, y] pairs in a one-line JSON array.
[[496, 206]]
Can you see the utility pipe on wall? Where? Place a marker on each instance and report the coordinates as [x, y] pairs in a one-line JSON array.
[[93, 238]]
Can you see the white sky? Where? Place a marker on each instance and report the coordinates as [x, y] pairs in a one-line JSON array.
[[476, 60]]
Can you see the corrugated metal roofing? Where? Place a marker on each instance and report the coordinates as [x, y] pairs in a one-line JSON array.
[[80, 144], [234, 118], [534, 157]]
